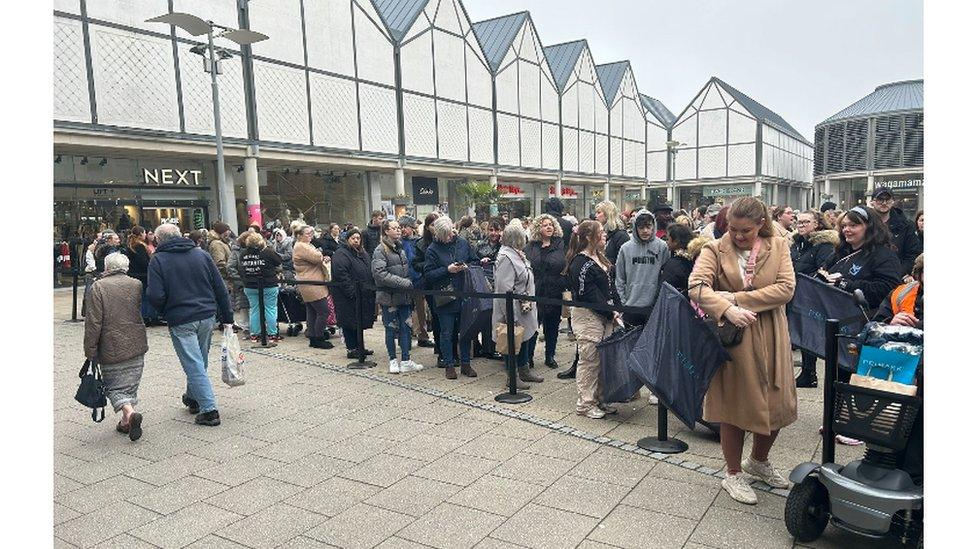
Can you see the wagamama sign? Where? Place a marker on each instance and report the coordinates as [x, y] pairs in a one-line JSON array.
[[170, 176]]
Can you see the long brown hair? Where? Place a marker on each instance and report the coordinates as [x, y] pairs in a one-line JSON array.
[[753, 209], [134, 240], [587, 233]]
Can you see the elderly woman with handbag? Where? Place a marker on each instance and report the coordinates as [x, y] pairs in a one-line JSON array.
[[513, 273], [746, 279], [115, 337], [311, 265]]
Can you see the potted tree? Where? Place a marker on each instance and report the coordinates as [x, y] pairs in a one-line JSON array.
[[477, 195]]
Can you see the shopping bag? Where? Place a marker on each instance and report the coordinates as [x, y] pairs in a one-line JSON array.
[[501, 338], [91, 390], [231, 359], [567, 296], [617, 381], [676, 355], [883, 385], [887, 365], [813, 303]]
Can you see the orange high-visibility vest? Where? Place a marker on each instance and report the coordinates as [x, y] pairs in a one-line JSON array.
[[903, 298]]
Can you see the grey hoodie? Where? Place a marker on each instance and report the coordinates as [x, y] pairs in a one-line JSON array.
[[639, 268]]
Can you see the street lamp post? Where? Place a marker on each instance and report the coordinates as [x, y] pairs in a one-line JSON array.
[[672, 156], [197, 27]]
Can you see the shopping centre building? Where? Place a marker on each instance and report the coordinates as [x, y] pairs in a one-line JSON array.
[[877, 141], [357, 105]]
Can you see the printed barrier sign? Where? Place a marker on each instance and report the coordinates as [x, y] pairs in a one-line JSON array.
[[888, 365], [617, 382], [813, 303], [475, 311]]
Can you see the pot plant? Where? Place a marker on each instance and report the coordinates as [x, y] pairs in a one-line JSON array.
[[479, 195]]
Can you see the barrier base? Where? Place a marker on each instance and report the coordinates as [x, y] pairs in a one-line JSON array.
[[509, 398], [668, 446], [75, 320], [356, 365]]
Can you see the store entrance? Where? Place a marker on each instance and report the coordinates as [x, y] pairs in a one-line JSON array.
[[186, 217]]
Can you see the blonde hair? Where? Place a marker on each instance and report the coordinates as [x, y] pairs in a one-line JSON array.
[[254, 240], [610, 210], [695, 246], [683, 220], [535, 235], [753, 209]]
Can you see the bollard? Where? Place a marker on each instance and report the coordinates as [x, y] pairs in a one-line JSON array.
[[360, 362], [661, 443], [832, 328], [512, 396]]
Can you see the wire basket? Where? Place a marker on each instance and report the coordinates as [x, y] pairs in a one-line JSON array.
[[876, 417]]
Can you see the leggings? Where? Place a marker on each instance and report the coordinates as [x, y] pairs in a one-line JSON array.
[[316, 312]]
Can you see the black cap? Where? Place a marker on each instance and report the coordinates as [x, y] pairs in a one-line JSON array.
[[662, 207], [827, 206], [881, 191], [554, 206]]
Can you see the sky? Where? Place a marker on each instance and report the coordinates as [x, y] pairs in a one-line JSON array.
[[805, 60]]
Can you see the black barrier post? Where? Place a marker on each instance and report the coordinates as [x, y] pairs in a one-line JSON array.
[[661, 443], [512, 396], [264, 323], [74, 294], [360, 362], [830, 374]]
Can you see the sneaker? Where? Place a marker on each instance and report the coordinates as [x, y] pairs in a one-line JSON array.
[[193, 405], [425, 343], [739, 490], [607, 409], [764, 472], [848, 441], [410, 366], [394, 366], [210, 419], [593, 413], [652, 400]]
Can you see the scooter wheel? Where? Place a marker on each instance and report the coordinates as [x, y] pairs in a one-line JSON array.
[[807, 510]]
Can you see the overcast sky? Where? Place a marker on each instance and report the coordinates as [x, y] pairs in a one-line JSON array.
[[805, 60]]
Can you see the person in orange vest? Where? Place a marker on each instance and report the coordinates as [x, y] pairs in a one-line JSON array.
[[903, 307]]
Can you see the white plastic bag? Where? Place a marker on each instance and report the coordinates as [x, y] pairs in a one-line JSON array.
[[231, 359]]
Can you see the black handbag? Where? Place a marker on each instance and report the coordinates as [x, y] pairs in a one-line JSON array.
[[91, 390], [727, 333]]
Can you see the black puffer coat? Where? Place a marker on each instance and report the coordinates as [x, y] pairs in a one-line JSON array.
[[615, 239], [548, 263], [676, 271], [875, 272], [349, 267], [904, 236], [813, 252]]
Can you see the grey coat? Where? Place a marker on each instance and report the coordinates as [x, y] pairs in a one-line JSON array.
[[513, 272], [391, 270], [114, 329]]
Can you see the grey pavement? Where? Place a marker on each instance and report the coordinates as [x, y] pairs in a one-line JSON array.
[[311, 454]]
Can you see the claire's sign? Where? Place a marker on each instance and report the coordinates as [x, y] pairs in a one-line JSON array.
[[425, 191]]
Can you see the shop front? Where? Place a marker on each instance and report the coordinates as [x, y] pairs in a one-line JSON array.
[[571, 196], [725, 194]]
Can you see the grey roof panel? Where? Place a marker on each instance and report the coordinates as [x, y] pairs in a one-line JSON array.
[[562, 60], [894, 97], [399, 15], [611, 75], [761, 112], [657, 108], [496, 36]]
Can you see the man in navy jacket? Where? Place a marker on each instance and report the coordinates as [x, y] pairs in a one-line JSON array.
[[185, 285]]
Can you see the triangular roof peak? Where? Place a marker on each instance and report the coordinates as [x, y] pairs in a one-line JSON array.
[[497, 34], [658, 110], [399, 15], [760, 111], [562, 60], [611, 75]]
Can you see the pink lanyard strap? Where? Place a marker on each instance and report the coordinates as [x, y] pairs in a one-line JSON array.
[[751, 264]]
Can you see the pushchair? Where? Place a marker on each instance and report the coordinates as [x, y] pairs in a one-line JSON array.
[[291, 307], [874, 497]]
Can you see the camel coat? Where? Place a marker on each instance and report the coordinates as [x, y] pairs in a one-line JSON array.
[[308, 266], [755, 391]]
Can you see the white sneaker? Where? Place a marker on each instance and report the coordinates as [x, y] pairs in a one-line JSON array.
[[739, 490], [848, 441], [607, 409], [394, 366], [410, 366], [593, 413], [764, 472], [652, 400]]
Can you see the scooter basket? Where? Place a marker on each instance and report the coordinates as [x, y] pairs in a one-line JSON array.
[[876, 417]]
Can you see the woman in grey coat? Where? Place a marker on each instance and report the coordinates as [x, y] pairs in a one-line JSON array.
[[115, 338], [513, 273], [391, 272]]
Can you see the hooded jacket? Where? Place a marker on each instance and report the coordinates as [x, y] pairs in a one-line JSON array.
[[905, 239], [185, 285], [813, 252], [638, 268], [554, 207], [220, 252], [875, 272], [285, 249], [677, 269], [259, 267], [371, 238], [589, 283]]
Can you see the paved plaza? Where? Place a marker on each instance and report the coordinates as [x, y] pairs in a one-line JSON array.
[[310, 454]]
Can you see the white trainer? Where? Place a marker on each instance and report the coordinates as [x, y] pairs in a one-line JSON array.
[[764, 472], [410, 366], [739, 490], [394, 366], [593, 413], [652, 400]]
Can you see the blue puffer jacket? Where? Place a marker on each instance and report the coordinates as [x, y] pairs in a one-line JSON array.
[[410, 247], [437, 257], [185, 285]]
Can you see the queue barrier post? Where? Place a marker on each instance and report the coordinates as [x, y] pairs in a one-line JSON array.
[[831, 329], [360, 362], [512, 396], [74, 295]]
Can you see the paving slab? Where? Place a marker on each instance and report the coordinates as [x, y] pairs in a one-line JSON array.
[[544, 527], [103, 523], [413, 495], [185, 526], [332, 496], [254, 495], [178, 494], [585, 497], [497, 495], [271, 526], [451, 526], [634, 527], [728, 529], [360, 526]]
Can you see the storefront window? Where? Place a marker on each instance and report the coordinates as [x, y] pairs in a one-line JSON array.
[[571, 197], [515, 199], [315, 199]]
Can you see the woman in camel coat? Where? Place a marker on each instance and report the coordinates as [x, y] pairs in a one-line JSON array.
[[311, 265], [755, 391]]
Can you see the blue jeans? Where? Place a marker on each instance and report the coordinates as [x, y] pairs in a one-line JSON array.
[[270, 310], [449, 325], [396, 320], [527, 351], [192, 344]]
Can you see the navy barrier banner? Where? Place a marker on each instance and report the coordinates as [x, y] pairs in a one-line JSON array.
[[813, 303], [475, 311]]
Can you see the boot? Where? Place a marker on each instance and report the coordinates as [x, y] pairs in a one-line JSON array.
[[568, 374], [320, 343], [519, 385], [450, 372], [807, 379], [467, 370], [525, 375]]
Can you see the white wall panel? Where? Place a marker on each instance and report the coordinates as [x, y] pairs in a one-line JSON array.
[[417, 69], [550, 101], [330, 44], [711, 162], [550, 146], [70, 76], [531, 143], [508, 140], [447, 16], [482, 135], [711, 128], [742, 159], [449, 63], [571, 152], [713, 99], [452, 132], [587, 99], [281, 20], [479, 80], [528, 89], [198, 96], [616, 119], [68, 6], [570, 107], [221, 12], [601, 162], [132, 13], [636, 159], [506, 89], [633, 120], [685, 132], [657, 137], [601, 122], [374, 53], [586, 153], [418, 126], [685, 164], [135, 82], [741, 128], [281, 103], [616, 156], [657, 166], [379, 119], [334, 120]]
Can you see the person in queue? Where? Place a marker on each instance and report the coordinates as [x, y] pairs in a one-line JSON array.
[[284, 246], [199, 237], [721, 223], [312, 265], [513, 273], [903, 306], [813, 247], [468, 230], [904, 238], [638, 267], [115, 338], [708, 227], [445, 260], [409, 239], [783, 217], [328, 243], [746, 278], [547, 257], [419, 260], [829, 211], [677, 268], [351, 265], [608, 215], [238, 299], [185, 286], [663, 216], [588, 272], [110, 244], [138, 254], [555, 208], [372, 235], [391, 273], [488, 248], [259, 266], [919, 229]]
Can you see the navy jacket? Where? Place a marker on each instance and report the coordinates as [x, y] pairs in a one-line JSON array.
[[437, 257], [185, 285], [875, 272]]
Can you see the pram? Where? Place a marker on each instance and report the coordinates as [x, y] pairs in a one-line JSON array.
[[291, 307]]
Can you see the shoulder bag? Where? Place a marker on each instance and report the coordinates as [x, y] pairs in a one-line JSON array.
[[729, 334], [91, 390]]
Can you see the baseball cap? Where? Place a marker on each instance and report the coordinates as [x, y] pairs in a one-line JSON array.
[[879, 191], [407, 221], [827, 206]]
